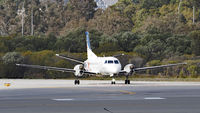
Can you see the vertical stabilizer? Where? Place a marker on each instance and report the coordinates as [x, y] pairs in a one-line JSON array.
[[90, 54]]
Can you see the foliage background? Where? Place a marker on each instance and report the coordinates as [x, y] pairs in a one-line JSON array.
[[149, 32]]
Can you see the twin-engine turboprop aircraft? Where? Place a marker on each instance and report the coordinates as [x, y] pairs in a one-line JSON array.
[[97, 65]]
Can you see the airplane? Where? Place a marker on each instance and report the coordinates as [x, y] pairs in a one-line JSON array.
[[94, 65]]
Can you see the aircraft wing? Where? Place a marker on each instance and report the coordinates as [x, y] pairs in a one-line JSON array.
[[154, 67], [52, 68], [47, 68]]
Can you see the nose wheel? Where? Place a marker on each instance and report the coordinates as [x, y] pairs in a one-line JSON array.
[[76, 82], [113, 81]]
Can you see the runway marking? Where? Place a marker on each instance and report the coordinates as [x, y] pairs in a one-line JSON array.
[[127, 92], [64, 99], [107, 90], [154, 98]]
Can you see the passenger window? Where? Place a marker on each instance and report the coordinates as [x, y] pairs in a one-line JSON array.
[[116, 62], [110, 61], [105, 62]]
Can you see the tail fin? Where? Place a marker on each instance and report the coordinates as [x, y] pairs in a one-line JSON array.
[[90, 54]]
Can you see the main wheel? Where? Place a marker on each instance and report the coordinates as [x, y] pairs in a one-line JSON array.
[[126, 82], [112, 82], [76, 82]]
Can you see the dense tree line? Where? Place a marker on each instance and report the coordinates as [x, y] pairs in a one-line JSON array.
[[150, 32], [151, 46], [59, 17]]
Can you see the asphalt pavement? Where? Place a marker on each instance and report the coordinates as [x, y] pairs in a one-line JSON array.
[[103, 99]]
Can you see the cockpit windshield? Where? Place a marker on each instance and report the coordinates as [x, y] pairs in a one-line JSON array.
[[106, 62], [116, 61], [111, 62]]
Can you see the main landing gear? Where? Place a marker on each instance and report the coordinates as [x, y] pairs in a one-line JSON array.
[[127, 81], [113, 81], [77, 82]]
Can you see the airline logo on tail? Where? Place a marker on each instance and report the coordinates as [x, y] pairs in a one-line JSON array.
[[90, 54], [88, 40]]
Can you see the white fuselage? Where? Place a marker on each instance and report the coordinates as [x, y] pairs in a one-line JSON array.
[[103, 65]]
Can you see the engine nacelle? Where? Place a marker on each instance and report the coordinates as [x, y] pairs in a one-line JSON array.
[[129, 68], [79, 69]]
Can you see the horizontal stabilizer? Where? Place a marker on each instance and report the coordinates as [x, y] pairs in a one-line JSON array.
[[68, 58], [118, 55]]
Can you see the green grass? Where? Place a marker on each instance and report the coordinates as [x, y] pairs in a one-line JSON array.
[[144, 78], [137, 78]]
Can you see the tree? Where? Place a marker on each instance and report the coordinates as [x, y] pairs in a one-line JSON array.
[[179, 6], [83, 8], [195, 36], [127, 40], [178, 45], [3, 30], [195, 4], [148, 4], [125, 7], [107, 44], [74, 40], [110, 22], [152, 46], [10, 59]]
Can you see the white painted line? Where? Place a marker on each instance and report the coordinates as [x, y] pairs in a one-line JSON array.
[[154, 98], [64, 99]]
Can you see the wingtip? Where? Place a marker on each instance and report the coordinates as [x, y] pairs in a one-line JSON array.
[[17, 64], [57, 54]]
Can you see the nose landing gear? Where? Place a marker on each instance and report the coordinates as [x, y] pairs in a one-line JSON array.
[[113, 81]]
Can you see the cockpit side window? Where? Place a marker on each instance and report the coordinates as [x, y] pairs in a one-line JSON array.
[[110, 61], [116, 61], [105, 62]]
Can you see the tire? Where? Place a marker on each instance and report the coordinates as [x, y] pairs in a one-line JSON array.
[[112, 82], [76, 82], [128, 81]]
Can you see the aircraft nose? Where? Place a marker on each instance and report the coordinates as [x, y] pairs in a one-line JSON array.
[[116, 69]]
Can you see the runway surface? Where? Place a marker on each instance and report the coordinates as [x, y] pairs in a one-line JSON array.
[[105, 99]]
